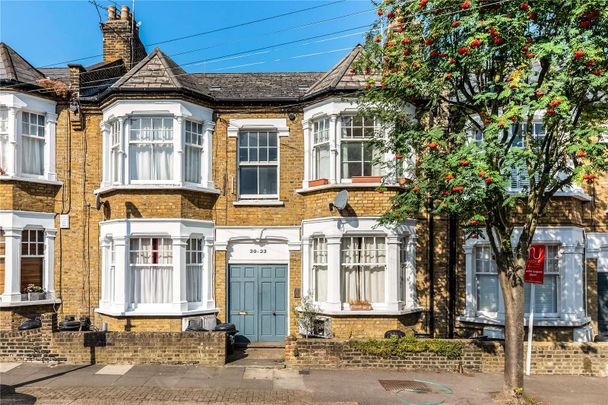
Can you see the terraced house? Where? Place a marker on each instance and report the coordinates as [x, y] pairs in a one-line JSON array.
[[143, 197]]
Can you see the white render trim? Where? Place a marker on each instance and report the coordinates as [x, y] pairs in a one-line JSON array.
[[31, 180], [258, 203], [347, 185], [226, 235], [548, 322], [159, 312], [258, 124], [30, 303], [371, 313], [158, 186]]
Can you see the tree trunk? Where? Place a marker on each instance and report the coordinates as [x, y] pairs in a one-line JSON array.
[[511, 282]]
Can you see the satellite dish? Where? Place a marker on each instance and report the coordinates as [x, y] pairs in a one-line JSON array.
[[341, 200]]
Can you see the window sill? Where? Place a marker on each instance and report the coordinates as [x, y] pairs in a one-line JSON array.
[[159, 312], [548, 322], [32, 180], [258, 203], [332, 186], [579, 195], [157, 186], [373, 312], [29, 303]]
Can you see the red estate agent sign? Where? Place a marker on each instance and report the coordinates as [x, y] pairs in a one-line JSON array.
[[535, 268]]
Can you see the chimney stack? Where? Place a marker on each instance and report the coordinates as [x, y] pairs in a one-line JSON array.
[[121, 38]]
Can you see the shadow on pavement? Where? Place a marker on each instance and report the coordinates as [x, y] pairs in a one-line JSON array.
[[9, 396]]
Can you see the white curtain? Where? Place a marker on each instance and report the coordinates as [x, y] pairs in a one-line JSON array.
[[545, 296], [3, 151], [363, 267], [151, 284], [321, 156], [151, 149], [320, 276], [194, 283], [192, 171], [32, 157], [487, 292]]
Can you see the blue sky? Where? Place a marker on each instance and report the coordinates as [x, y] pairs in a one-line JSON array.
[[48, 32]]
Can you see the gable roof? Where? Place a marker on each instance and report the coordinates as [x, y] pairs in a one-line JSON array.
[[14, 68], [339, 77], [157, 71]]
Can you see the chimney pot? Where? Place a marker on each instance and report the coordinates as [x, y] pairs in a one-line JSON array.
[[124, 13], [111, 13]]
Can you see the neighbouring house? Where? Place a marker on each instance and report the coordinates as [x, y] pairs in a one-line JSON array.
[[143, 196]]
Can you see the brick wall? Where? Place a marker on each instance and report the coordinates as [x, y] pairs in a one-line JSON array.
[[373, 327], [46, 344], [589, 359], [20, 196]]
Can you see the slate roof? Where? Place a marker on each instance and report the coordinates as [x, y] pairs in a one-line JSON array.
[[157, 72], [14, 68], [255, 86], [339, 76], [61, 74]]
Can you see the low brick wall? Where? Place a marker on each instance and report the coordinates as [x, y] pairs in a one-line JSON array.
[[589, 359], [46, 344]]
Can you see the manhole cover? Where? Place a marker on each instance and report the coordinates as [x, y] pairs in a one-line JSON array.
[[405, 385]]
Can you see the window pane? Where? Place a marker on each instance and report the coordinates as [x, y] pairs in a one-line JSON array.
[[248, 180], [268, 180], [32, 155], [352, 152], [321, 161], [193, 164], [487, 293], [272, 154]]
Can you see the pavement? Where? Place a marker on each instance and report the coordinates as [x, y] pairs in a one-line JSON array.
[[28, 383]]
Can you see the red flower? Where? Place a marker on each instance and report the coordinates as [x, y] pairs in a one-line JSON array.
[[532, 16], [433, 54], [378, 39], [474, 222], [428, 41], [433, 145], [446, 193], [448, 76], [590, 63], [530, 55], [539, 93], [463, 163], [449, 177], [488, 180], [416, 189], [524, 6], [390, 14], [380, 12], [452, 61], [443, 54], [475, 43], [389, 44], [457, 189], [499, 41], [585, 23], [456, 23], [482, 174], [551, 111], [368, 71], [406, 52], [579, 54], [581, 154], [398, 156], [510, 78], [379, 190], [555, 103], [599, 72], [464, 50], [525, 48], [422, 4], [466, 5], [406, 41]]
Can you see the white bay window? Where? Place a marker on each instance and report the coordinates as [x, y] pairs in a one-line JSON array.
[[355, 262], [159, 143], [156, 267], [27, 138]]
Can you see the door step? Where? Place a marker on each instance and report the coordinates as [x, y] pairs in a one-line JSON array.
[[261, 345], [257, 363]]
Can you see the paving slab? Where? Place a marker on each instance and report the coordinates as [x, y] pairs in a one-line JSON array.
[[115, 369], [258, 374], [5, 367]]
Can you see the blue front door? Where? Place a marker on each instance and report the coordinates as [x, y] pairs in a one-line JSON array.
[[257, 303]]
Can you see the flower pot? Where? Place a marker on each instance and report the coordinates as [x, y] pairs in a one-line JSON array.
[[363, 306], [36, 296], [367, 179], [317, 182]]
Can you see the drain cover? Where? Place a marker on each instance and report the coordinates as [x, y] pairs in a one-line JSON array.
[[405, 385]]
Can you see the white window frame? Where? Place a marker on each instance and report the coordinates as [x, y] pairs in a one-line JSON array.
[[140, 253], [4, 139], [39, 139], [153, 144], [362, 265], [488, 271], [115, 152], [344, 139], [318, 260], [194, 138], [195, 260], [320, 139], [259, 163]]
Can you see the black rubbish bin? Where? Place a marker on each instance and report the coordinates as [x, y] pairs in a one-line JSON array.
[[394, 333], [231, 332]]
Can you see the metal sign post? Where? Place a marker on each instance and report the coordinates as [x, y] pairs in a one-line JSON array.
[[534, 274]]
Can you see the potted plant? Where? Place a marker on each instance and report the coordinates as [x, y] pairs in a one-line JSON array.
[[317, 182], [34, 292], [2, 171], [367, 179], [360, 305]]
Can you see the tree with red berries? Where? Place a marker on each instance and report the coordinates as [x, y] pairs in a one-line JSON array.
[[502, 90]]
